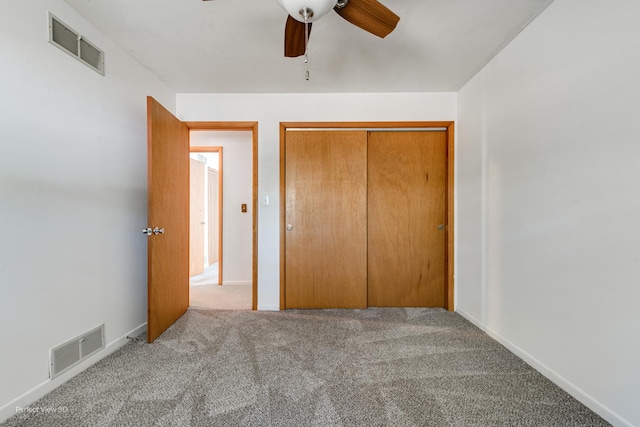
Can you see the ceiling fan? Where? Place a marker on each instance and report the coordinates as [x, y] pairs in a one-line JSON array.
[[370, 15]]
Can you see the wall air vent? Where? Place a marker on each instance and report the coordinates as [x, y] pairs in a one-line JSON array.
[[67, 355], [75, 44]]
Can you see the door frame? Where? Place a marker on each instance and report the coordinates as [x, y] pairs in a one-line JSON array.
[[253, 128], [449, 205], [215, 149]]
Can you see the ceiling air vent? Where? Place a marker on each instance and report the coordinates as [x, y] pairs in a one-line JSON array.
[[75, 44]]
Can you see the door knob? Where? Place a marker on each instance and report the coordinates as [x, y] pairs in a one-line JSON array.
[[289, 227], [147, 231], [157, 231], [441, 227]]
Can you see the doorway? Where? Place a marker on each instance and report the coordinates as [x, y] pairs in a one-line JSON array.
[[168, 213], [221, 220]]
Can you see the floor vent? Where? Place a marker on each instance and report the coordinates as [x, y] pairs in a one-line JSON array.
[[69, 354], [75, 44]]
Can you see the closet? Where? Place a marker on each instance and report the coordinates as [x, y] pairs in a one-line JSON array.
[[365, 216]]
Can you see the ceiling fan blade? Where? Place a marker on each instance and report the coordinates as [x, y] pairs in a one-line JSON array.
[[370, 15], [294, 38]]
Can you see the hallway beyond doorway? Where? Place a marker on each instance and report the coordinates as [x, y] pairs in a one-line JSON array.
[[205, 293]]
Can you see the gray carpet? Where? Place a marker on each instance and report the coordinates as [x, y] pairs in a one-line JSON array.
[[374, 367]]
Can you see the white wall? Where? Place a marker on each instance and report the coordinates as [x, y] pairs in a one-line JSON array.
[[271, 109], [72, 195], [237, 188], [548, 234]]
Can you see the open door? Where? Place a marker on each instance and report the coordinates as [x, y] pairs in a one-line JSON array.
[[196, 214], [213, 200], [168, 198]]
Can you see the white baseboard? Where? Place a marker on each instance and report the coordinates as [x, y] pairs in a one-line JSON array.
[[556, 378], [49, 385], [235, 282], [268, 308]]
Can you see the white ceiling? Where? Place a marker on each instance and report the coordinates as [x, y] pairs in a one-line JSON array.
[[236, 46]]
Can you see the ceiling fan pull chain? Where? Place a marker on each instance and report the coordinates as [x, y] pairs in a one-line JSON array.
[[306, 73], [306, 45]]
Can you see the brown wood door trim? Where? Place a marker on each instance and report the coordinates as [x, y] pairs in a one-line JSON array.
[[253, 127], [450, 282], [219, 150], [449, 226]]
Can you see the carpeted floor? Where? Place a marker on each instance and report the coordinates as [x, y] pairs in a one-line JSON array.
[[374, 367]]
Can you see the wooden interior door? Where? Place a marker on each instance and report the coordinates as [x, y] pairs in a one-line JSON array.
[[196, 217], [326, 219], [407, 185], [168, 199], [214, 215]]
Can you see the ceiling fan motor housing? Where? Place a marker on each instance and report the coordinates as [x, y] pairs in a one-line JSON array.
[[315, 8]]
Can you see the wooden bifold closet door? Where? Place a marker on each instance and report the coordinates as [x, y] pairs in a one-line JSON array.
[[364, 217]]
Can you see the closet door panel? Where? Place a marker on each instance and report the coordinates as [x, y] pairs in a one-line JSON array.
[[326, 219], [406, 214]]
